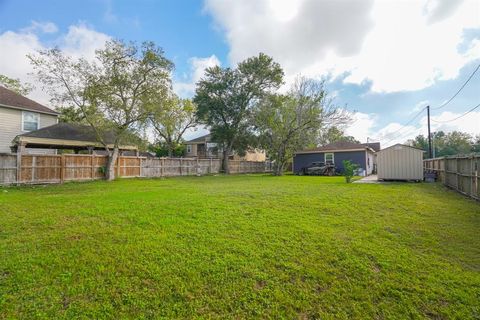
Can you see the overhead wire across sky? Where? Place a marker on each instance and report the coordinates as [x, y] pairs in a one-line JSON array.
[[445, 121], [436, 108], [459, 90], [404, 126]]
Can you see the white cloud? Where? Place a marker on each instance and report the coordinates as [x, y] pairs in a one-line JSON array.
[[186, 88], [44, 27], [82, 41], [398, 45], [361, 127], [470, 123], [366, 125], [79, 41]]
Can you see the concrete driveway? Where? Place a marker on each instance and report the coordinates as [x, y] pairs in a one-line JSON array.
[[368, 179]]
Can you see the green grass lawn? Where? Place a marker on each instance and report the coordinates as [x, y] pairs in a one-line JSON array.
[[238, 247]]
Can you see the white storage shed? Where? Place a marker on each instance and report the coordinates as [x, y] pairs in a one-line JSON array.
[[400, 162]]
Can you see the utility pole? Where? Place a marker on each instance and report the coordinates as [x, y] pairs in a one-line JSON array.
[[433, 143], [429, 135]]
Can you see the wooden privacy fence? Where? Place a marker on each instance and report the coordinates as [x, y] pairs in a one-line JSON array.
[[461, 173], [31, 168], [8, 168]]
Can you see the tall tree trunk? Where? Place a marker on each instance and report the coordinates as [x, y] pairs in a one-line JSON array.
[[225, 167], [170, 147], [112, 159], [278, 168], [279, 164]]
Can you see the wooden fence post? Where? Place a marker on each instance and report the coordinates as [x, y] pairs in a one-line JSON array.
[[92, 173], [180, 166], [456, 173], [62, 168], [118, 165], [34, 160], [472, 175], [20, 150], [162, 165]]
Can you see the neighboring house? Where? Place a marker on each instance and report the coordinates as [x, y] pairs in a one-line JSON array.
[[19, 115], [361, 154], [203, 147]]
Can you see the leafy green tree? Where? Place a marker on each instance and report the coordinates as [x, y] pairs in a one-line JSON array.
[[116, 93], [335, 134], [170, 119], [288, 123], [456, 142], [420, 142], [15, 85], [476, 144], [70, 114], [446, 144], [162, 150], [226, 100]]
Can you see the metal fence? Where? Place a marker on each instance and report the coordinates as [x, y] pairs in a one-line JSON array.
[[38, 169], [461, 173]]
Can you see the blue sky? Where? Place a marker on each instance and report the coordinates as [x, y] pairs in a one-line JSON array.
[[388, 62]]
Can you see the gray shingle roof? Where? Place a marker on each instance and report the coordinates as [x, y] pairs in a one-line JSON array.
[[68, 131], [340, 145], [374, 145], [12, 99]]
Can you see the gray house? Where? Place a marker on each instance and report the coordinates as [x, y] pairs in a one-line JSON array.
[[362, 154], [20, 115]]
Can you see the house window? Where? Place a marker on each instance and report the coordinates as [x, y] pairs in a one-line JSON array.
[[189, 148], [329, 158], [30, 121]]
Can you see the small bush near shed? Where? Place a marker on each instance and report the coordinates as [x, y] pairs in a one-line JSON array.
[[349, 169]]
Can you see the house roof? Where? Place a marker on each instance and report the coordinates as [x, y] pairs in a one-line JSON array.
[[201, 139], [68, 131], [67, 135], [11, 99], [374, 145], [340, 146]]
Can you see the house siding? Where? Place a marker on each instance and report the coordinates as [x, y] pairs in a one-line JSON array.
[[304, 159], [193, 151], [371, 162], [11, 126]]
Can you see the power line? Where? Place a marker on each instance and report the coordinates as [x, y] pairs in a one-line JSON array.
[[478, 105], [404, 135], [461, 88], [406, 124]]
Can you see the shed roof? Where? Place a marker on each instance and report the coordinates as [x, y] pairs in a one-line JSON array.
[[11, 99], [403, 145]]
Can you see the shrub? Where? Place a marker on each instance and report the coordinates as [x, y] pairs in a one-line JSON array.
[[348, 170]]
